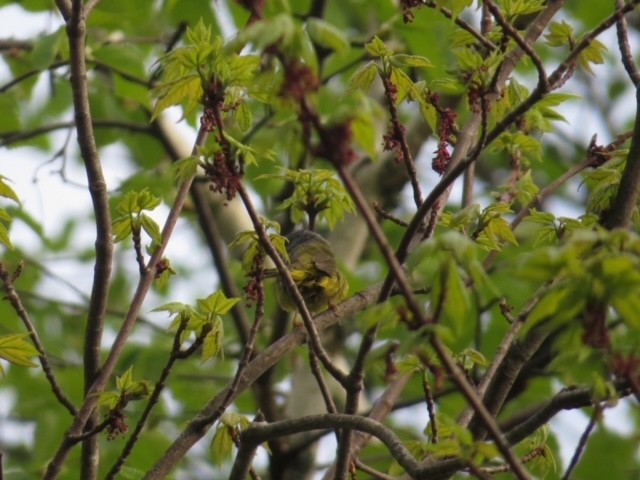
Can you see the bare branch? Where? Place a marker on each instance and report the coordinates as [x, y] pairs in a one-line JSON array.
[[16, 303], [582, 444]]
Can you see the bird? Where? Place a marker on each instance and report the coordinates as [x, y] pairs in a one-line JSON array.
[[313, 268]]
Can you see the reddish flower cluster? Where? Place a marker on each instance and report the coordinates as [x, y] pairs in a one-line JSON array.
[[116, 424], [299, 80], [253, 289], [335, 144], [625, 366], [407, 6], [392, 141], [211, 98], [446, 128], [596, 333], [223, 177]]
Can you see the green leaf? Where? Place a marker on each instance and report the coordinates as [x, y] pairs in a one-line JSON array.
[[15, 350], [214, 340], [409, 364], [222, 444], [109, 399], [526, 188], [377, 48], [475, 356], [46, 48], [121, 228], [233, 419], [6, 191], [560, 305], [10, 118], [457, 303], [172, 307], [216, 303], [593, 54], [515, 8], [123, 57], [4, 237], [628, 305], [363, 77], [560, 34], [414, 61], [125, 380], [185, 168], [242, 116], [188, 89], [364, 131], [128, 90], [326, 35], [152, 229], [317, 192], [403, 83]]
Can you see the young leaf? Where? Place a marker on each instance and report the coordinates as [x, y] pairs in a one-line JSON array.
[[213, 341], [14, 349], [560, 34], [326, 35], [363, 77], [150, 226], [6, 191], [185, 168], [216, 303], [412, 61], [377, 48], [125, 380], [243, 117], [222, 444], [4, 237]]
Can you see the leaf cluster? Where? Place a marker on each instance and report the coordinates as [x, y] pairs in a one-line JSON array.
[[204, 321]]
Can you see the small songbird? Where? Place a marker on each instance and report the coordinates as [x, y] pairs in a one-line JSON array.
[[312, 265]]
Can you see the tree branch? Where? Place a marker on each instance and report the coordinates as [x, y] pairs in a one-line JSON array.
[[266, 359], [55, 465], [76, 32], [16, 303]]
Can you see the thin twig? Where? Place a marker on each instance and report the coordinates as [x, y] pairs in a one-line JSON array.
[[431, 408], [625, 49], [396, 138], [212, 235], [497, 362], [381, 408], [8, 138], [16, 303], [582, 443], [324, 389], [247, 352], [457, 376], [520, 41], [198, 426], [256, 434], [151, 402], [53, 469], [462, 24], [283, 271], [388, 215], [372, 472]]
